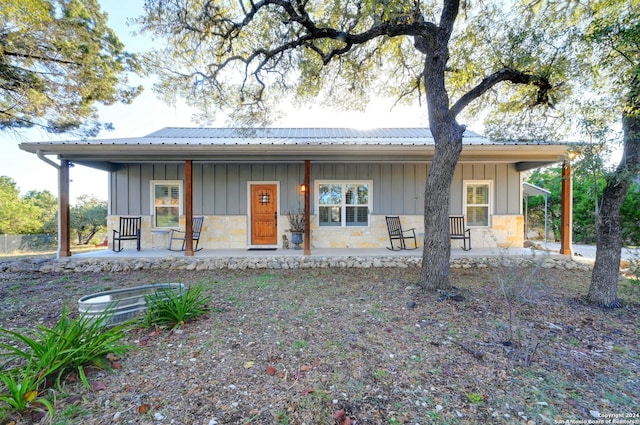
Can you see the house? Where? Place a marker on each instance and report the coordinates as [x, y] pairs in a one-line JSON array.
[[244, 181]]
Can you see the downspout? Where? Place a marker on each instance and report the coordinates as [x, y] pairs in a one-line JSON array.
[[63, 204], [47, 160]]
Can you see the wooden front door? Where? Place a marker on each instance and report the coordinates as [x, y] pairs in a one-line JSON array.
[[264, 214]]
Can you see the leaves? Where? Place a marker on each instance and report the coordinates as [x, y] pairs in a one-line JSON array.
[[30, 396], [342, 418], [169, 308], [59, 59], [98, 386], [270, 370]]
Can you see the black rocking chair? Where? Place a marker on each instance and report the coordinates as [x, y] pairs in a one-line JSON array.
[[181, 235], [397, 233], [129, 230]]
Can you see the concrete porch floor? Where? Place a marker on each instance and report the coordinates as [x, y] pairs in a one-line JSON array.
[[129, 252]]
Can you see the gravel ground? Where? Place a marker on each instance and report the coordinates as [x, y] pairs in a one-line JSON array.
[[352, 346]]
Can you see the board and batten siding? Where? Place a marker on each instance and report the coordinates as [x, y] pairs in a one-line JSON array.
[[221, 189]]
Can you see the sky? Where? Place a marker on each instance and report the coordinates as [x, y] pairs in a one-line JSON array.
[[147, 114]]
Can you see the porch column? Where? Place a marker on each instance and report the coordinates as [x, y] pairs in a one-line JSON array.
[[566, 222], [64, 245], [307, 205], [188, 205]]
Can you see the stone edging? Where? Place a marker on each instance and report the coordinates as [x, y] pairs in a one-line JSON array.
[[101, 265]]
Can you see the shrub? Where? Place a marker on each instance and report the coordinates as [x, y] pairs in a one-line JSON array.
[[167, 308], [41, 356]]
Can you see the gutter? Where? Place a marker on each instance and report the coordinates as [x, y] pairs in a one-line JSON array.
[[47, 160]]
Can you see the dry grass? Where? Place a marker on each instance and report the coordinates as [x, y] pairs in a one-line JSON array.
[[295, 347]]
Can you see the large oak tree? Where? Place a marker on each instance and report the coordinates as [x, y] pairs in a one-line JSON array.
[[604, 53], [244, 56], [58, 59], [614, 40]]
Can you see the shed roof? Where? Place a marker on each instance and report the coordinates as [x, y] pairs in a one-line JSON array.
[[290, 144]]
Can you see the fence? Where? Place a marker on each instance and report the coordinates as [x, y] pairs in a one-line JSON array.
[[14, 244]]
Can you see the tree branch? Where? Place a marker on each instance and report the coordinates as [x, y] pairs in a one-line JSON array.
[[296, 12], [507, 74], [447, 20], [40, 58]]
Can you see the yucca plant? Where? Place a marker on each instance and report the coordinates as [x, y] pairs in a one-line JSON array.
[[167, 308]]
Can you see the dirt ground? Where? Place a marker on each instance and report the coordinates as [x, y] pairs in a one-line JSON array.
[[354, 346]]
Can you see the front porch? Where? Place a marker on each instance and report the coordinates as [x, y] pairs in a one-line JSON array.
[[315, 253]]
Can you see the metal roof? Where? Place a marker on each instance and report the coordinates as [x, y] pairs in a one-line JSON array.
[[533, 190], [288, 144], [284, 136]]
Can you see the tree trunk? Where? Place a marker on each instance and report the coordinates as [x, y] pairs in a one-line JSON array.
[[436, 252], [447, 136], [604, 280]]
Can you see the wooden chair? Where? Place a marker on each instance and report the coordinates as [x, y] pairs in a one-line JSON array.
[[458, 230], [129, 230], [181, 235], [397, 233]]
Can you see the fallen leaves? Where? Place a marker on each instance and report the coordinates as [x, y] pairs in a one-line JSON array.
[[270, 370], [98, 386], [30, 395], [306, 368], [342, 418], [257, 377]]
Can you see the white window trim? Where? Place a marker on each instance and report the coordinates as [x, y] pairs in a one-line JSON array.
[[153, 183], [343, 218], [490, 204]]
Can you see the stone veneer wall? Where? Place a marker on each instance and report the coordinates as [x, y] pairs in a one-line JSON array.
[[220, 232], [230, 232], [505, 231]]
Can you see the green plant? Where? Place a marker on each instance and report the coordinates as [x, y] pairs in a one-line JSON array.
[[299, 344], [283, 417], [475, 398], [381, 373], [70, 344], [168, 308], [21, 388]]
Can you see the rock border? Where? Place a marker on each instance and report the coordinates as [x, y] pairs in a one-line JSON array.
[[102, 265]]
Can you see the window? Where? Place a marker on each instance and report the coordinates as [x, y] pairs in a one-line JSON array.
[[477, 202], [166, 203], [343, 204]]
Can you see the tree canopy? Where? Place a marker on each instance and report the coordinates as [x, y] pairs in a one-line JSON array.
[[18, 215], [88, 217], [58, 59], [243, 57]]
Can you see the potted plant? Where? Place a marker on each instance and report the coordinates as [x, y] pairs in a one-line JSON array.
[[296, 227]]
